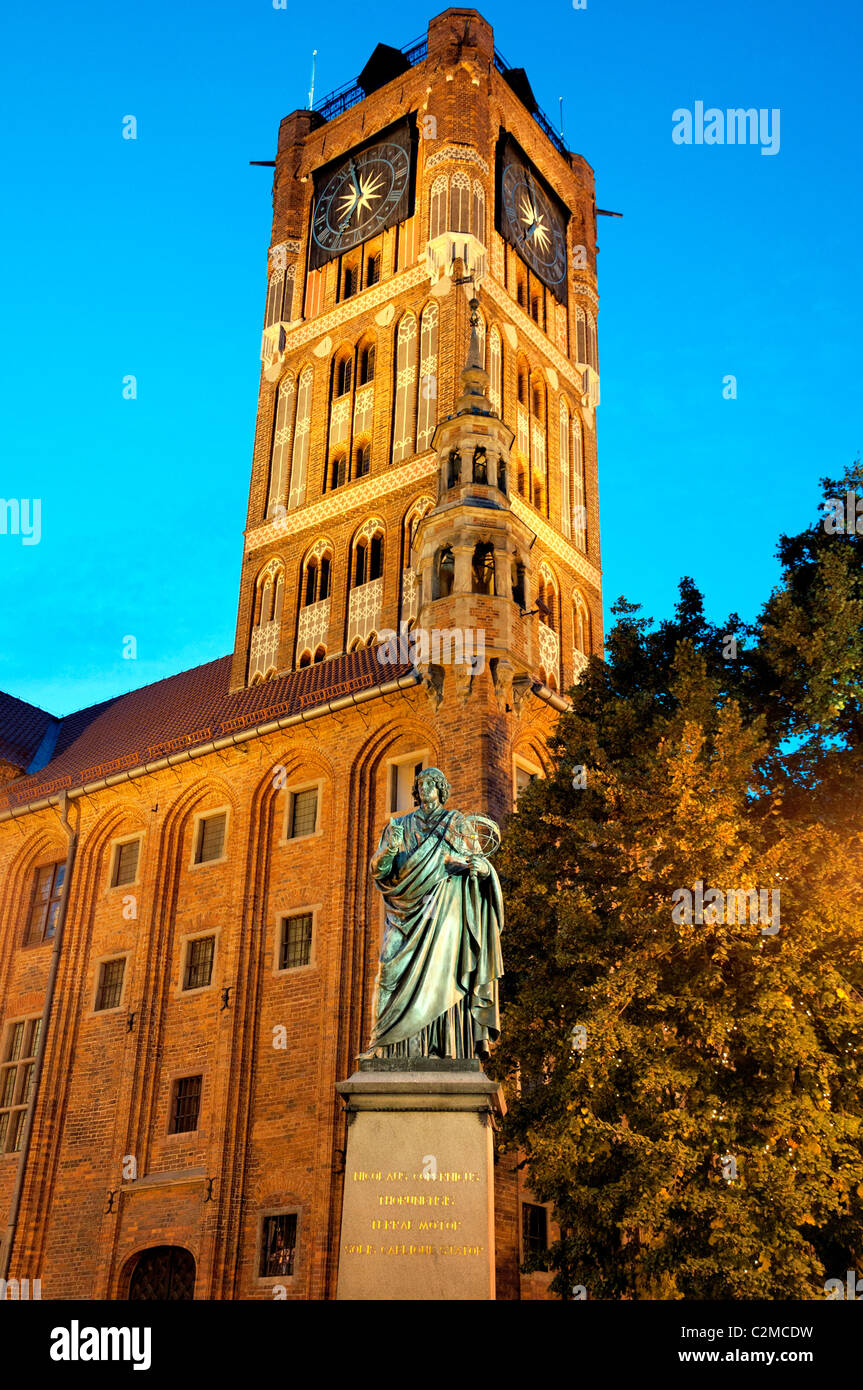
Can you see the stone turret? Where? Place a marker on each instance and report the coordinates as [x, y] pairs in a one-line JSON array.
[[472, 553]]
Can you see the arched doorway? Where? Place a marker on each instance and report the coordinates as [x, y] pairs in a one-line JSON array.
[[165, 1273]]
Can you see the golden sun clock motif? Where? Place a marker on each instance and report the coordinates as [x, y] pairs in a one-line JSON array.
[[531, 220], [361, 195]]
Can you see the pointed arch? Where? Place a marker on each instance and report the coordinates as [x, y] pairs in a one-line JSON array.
[[563, 448], [479, 211], [579, 506], [580, 335], [438, 200], [280, 450], [404, 420], [427, 399], [495, 369], [300, 460], [459, 202]]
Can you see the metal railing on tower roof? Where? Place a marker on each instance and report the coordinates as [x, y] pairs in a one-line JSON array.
[[335, 103]]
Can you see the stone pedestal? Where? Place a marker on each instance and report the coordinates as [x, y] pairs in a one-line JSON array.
[[418, 1210]]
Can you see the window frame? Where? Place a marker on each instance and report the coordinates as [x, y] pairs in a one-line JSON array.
[[523, 764], [21, 1061], [200, 816], [200, 934], [316, 784], [270, 1280], [538, 1206], [36, 869], [174, 1079], [304, 910], [417, 755], [100, 962], [114, 860]]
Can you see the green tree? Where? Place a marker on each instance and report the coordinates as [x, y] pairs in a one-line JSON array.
[[687, 1093]]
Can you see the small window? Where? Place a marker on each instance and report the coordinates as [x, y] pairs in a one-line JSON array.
[[534, 1231], [16, 1080], [211, 838], [278, 1246], [343, 376], [523, 778], [185, 1104], [304, 813], [402, 778], [376, 557], [338, 471], [373, 269], [364, 460], [45, 903], [350, 280], [199, 962], [110, 984], [125, 863], [367, 364], [296, 943]]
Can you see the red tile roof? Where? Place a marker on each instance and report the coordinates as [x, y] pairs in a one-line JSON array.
[[22, 729], [177, 713]]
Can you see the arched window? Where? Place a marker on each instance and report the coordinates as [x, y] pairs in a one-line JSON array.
[[269, 594], [300, 461], [367, 364], [480, 333], [495, 369], [338, 470], [579, 508], [538, 441], [280, 453], [482, 568], [453, 470], [479, 211], [165, 1274], [592, 355], [342, 378], [522, 384], [350, 278], [368, 554], [459, 202], [547, 592], [438, 206], [373, 268], [565, 514], [580, 335], [581, 625], [320, 654], [427, 403], [315, 584], [363, 460], [275, 297], [445, 572], [405, 388]]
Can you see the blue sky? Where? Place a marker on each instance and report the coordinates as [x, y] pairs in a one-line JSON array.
[[148, 257]]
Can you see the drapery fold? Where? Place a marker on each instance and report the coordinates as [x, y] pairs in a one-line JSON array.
[[441, 958]]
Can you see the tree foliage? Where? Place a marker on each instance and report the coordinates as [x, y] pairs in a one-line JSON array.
[[688, 1093]]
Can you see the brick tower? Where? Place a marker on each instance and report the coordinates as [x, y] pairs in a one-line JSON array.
[[188, 932]]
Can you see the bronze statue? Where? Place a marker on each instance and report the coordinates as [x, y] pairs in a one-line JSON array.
[[441, 958]]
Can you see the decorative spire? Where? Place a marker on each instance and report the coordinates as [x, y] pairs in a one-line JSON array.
[[474, 377]]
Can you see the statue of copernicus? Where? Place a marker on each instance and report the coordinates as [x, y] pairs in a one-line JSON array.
[[440, 961]]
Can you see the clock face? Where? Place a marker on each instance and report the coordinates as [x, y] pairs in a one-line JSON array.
[[532, 222], [362, 194]]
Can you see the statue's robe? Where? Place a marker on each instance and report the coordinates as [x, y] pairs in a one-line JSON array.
[[441, 957]]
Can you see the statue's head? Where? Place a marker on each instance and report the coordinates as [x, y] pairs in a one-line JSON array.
[[431, 777]]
